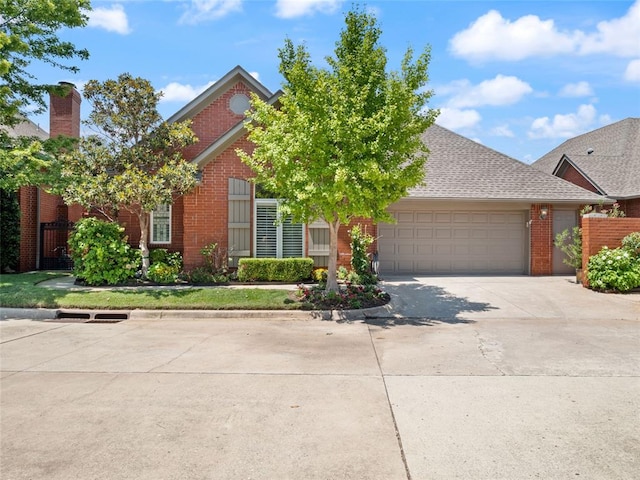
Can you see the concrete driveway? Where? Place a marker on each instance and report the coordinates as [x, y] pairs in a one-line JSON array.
[[468, 378]]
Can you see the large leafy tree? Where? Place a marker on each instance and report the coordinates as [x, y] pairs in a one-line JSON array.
[[345, 140], [133, 160], [28, 32]]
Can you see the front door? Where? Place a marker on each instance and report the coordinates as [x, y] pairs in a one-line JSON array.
[[562, 219]]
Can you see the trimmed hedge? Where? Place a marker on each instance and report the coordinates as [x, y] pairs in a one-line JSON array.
[[290, 270]]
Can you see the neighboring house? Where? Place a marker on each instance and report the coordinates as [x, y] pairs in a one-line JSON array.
[[41, 247], [479, 212], [605, 161]]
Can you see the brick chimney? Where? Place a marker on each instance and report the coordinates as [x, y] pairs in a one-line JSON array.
[[64, 113]]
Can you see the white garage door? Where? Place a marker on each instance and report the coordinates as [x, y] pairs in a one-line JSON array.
[[454, 242]]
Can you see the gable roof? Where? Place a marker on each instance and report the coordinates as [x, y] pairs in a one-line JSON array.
[[459, 168], [613, 167], [227, 139], [218, 88]]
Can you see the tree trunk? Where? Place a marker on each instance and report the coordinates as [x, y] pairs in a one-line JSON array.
[[144, 219], [332, 272]]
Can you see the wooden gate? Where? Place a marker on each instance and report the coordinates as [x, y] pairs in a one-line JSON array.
[[54, 246]]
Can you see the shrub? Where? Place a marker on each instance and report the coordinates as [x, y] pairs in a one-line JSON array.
[[9, 231], [570, 243], [342, 272], [320, 275], [202, 276], [360, 243], [162, 255], [289, 270], [632, 243], [614, 269], [160, 272], [101, 254], [216, 259]]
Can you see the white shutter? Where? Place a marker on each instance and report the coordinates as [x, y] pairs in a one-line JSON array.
[[292, 245], [266, 230]]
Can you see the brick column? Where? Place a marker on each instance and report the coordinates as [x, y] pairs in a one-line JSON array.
[[541, 230]]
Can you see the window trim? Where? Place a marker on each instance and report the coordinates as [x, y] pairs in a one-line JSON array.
[[152, 229]]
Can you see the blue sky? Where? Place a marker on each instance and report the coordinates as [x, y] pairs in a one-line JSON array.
[[517, 76]]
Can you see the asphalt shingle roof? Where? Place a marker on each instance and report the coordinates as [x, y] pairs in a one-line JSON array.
[[27, 128], [614, 164], [459, 168]]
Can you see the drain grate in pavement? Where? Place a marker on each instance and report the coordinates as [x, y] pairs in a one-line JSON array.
[[90, 316]]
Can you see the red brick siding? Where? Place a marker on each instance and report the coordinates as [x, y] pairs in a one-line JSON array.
[[205, 214], [28, 200], [50, 207], [631, 208], [64, 114], [572, 175], [541, 241], [214, 120], [344, 240], [600, 232]]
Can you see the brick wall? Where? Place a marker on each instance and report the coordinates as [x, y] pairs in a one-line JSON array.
[[541, 241], [28, 199], [631, 208], [600, 232], [205, 213]]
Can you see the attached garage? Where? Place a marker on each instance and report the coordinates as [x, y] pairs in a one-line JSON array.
[[453, 241]]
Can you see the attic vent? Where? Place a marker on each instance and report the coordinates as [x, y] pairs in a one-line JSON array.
[[239, 104], [590, 151]]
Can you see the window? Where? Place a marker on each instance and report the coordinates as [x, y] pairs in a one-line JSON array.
[[161, 224], [275, 239]]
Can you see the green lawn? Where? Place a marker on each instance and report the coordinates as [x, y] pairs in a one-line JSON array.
[[21, 290]]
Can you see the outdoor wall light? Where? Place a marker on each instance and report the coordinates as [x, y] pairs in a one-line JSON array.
[[544, 211], [198, 176]]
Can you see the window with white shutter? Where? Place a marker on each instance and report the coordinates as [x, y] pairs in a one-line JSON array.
[[275, 239]]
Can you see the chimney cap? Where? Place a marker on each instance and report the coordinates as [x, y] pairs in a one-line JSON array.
[[64, 84]]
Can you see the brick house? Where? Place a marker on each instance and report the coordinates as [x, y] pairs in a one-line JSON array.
[[605, 161], [479, 212]]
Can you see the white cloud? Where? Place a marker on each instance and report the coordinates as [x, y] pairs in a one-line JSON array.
[[299, 8], [580, 89], [502, 131], [255, 75], [453, 118], [564, 126], [112, 19], [632, 73], [204, 10], [501, 90], [178, 92], [493, 37], [620, 36]]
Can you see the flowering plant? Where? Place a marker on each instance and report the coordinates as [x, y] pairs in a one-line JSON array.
[[349, 297], [614, 269]]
